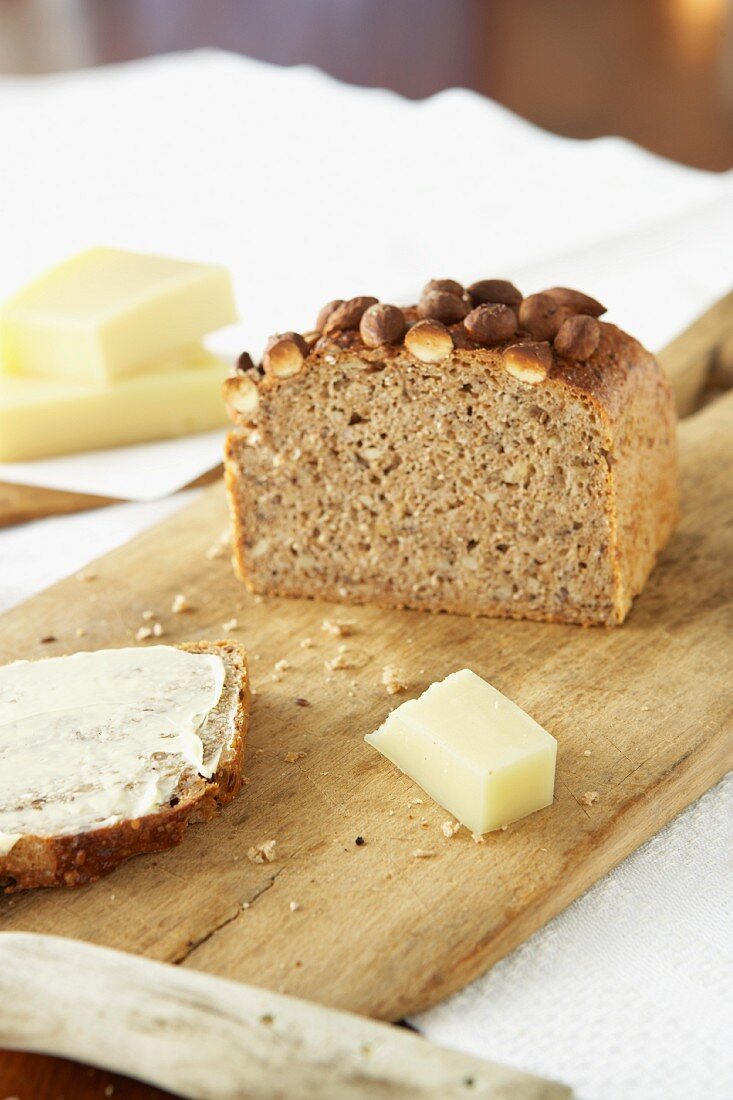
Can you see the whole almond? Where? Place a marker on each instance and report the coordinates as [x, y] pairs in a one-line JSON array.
[[382, 324], [285, 354], [494, 291], [241, 396], [447, 286], [429, 341], [541, 316], [440, 305], [491, 325], [576, 301], [578, 337], [326, 312], [529, 362], [348, 315]]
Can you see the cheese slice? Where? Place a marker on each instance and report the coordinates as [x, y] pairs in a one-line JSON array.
[[42, 417], [93, 738], [473, 750], [107, 314]]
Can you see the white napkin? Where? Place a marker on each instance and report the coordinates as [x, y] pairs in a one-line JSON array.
[[215, 157], [629, 992]]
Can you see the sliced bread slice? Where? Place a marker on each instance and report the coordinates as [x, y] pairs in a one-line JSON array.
[[182, 792]]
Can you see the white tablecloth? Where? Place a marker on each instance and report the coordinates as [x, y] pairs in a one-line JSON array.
[[310, 190]]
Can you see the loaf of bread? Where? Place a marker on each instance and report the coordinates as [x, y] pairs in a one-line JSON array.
[[480, 453], [40, 857]]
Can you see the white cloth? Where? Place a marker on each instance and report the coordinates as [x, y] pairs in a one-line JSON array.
[[309, 190]]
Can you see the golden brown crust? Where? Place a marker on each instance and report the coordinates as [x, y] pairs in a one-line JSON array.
[[79, 859], [630, 398]]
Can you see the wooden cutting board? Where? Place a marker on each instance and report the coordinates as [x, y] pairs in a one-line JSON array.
[[378, 930]]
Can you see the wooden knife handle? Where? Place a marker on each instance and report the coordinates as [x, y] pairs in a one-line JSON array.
[[211, 1039]]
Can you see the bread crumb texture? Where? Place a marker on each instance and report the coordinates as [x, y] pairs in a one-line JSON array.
[[436, 477]]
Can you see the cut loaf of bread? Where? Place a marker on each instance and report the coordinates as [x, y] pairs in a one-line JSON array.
[[480, 453], [81, 858]]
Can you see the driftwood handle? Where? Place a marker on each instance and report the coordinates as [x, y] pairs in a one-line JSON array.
[[690, 358], [211, 1039]]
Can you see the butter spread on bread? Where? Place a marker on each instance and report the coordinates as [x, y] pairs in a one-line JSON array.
[[104, 741]]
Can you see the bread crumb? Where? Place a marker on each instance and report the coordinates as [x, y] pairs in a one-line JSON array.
[[230, 624], [246, 904], [86, 575], [109, 1090], [422, 853], [142, 633], [294, 906], [80, 631], [294, 757], [450, 828], [306, 643], [282, 665], [504, 828], [345, 658], [589, 798], [477, 838], [587, 752], [339, 628], [415, 802], [158, 631], [180, 604], [262, 853], [424, 823], [393, 679], [148, 615]]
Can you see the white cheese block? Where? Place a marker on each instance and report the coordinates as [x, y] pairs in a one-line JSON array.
[[472, 750]]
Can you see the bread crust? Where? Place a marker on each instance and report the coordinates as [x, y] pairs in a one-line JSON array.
[[621, 383], [81, 858]]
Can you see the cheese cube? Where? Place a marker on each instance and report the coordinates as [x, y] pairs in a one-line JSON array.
[[108, 314], [472, 750], [41, 417]]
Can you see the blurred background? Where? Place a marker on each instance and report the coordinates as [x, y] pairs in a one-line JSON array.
[[659, 72]]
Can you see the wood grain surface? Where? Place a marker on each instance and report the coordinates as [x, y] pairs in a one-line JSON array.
[[378, 930]]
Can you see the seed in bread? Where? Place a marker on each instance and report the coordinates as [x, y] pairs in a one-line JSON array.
[[447, 471]]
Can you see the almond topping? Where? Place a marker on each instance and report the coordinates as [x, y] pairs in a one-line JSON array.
[[495, 292], [447, 286], [429, 341], [541, 315], [528, 363], [285, 354], [491, 324], [439, 305], [326, 312], [576, 301], [381, 324], [348, 315], [241, 395], [578, 337]]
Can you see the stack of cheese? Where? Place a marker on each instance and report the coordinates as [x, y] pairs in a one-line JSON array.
[[105, 349]]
